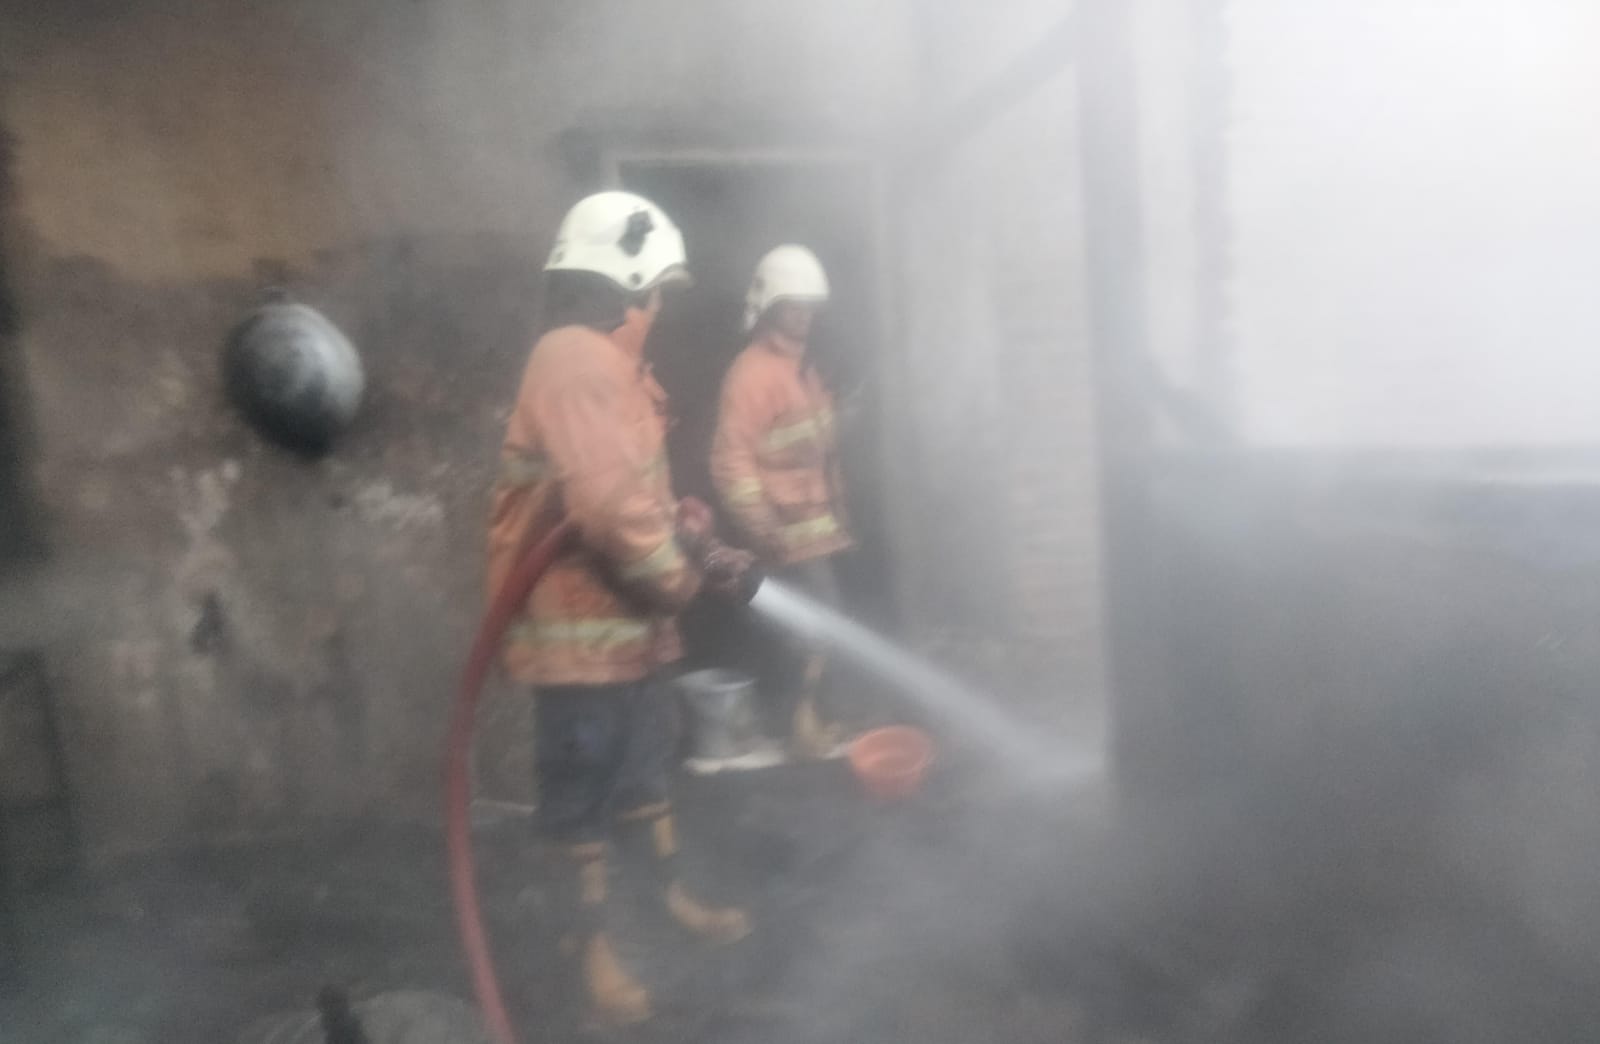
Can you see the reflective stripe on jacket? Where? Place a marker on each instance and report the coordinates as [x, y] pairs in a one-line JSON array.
[[775, 455], [586, 440]]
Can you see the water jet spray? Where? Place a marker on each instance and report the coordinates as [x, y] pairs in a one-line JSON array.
[[936, 691], [939, 693]]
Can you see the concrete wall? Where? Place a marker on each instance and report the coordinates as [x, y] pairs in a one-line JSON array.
[[241, 638], [402, 168]]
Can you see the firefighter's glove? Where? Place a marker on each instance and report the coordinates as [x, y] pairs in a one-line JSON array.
[[696, 524], [730, 572]]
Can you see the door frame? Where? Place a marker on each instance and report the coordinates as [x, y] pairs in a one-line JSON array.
[[877, 173]]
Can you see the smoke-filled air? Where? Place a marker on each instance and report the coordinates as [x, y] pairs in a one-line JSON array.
[[915, 522]]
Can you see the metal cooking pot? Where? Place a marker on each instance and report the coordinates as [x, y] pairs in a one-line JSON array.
[[721, 717]]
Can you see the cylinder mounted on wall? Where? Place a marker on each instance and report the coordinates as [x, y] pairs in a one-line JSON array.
[[293, 374]]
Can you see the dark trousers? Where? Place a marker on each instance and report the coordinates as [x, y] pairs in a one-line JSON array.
[[788, 653], [602, 752]]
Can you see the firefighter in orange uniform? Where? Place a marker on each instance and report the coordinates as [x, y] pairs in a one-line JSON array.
[[586, 442], [775, 464]]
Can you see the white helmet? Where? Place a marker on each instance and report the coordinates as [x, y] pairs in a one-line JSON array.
[[624, 237], [787, 273]]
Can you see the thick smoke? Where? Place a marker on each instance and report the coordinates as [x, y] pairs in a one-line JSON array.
[[1355, 807]]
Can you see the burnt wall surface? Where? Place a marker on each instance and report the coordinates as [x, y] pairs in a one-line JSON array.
[[240, 638]]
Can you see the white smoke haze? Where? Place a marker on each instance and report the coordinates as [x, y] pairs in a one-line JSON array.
[[1414, 226], [1359, 809]]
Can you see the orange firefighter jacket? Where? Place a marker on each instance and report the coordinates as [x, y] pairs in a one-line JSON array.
[[586, 441], [774, 457]]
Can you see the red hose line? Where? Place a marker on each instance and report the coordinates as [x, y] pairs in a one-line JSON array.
[[457, 777]]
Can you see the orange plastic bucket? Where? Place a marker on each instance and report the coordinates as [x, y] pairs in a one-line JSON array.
[[891, 762]]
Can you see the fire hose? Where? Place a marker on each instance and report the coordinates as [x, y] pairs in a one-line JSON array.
[[458, 776], [733, 575]]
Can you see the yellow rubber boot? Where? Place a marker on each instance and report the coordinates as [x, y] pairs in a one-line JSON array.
[[717, 924], [615, 997], [809, 736], [722, 925]]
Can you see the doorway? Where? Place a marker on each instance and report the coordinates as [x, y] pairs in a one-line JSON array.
[[731, 213]]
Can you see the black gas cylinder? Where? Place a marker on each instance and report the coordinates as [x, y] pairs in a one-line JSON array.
[[294, 375]]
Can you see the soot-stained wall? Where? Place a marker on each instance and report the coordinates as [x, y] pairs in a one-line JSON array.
[[241, 638]]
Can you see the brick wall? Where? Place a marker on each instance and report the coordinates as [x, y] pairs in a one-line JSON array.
[[1000, 364]]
